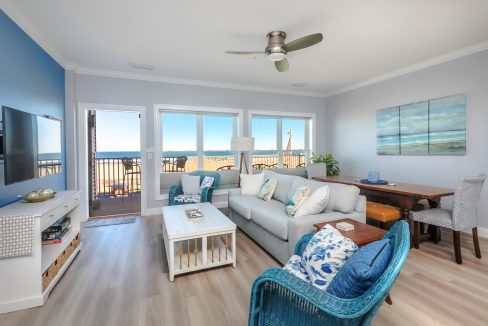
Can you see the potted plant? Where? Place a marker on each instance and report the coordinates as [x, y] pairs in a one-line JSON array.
[[330, 162]]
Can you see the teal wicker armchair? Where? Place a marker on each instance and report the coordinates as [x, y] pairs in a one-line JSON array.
[[279, 298], [207, 192]]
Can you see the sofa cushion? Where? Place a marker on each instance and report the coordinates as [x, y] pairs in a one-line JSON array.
[[243, 204], [187, 199], [360, 271], [342, 198], [282, 186], [300, 182], [272, 217], [325, 255]]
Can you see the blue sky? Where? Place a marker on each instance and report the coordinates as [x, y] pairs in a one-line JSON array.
[[49, 140], [119, 131]]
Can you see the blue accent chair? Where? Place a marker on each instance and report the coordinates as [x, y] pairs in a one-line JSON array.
[[207, 192], [279, 298]]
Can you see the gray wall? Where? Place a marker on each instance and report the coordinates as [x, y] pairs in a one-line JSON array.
[[351, 126], [95, 89]]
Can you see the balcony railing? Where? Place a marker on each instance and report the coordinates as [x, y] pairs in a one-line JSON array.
[[48, 167], [116, 177]]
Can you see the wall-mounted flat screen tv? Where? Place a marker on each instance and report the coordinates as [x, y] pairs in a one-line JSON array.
[[31, 145]]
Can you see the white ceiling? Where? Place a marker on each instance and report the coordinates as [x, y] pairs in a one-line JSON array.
[[187, 39]]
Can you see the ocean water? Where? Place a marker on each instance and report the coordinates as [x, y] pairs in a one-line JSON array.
[[186, 153]]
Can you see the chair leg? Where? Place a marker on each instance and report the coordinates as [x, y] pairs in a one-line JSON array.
[[388, 300], [456, 235], [416, 234], [476, 242]]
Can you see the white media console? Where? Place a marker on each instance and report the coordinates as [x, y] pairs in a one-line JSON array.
[[26, 281]]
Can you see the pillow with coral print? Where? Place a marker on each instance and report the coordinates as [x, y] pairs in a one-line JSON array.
[[325, 255]]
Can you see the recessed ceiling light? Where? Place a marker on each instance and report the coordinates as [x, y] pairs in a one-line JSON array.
[[141, 66], [298, 85]]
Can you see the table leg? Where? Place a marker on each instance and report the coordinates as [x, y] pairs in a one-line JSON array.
[[171, 261], [406, 204], [234, 249]]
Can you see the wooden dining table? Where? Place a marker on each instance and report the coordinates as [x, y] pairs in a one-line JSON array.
[[399, 194]]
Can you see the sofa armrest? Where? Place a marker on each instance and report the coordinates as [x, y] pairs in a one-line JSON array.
[[299, 226], [361, 205], [173, 192], [234, 192], [206, 195]]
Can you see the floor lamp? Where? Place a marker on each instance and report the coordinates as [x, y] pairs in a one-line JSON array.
[[242, 145]]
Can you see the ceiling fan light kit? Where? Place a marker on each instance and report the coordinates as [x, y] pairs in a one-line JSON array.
[[276, 50]]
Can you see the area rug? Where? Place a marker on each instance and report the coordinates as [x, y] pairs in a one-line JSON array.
[[110, 221]]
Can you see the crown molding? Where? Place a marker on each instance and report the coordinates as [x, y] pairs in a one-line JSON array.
[[190, 82], [416, 67], [32, 31]]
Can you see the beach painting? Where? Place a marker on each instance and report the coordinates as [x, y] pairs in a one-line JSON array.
[[434, 127], [388, 131], [414, 129], [447, 125]]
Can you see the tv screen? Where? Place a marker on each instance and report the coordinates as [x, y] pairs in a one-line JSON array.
[[19, 145]]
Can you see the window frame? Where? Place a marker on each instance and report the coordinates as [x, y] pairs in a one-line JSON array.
[[310, 130], [199, 111]]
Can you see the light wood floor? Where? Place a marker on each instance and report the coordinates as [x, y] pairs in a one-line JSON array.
[[120, 278]]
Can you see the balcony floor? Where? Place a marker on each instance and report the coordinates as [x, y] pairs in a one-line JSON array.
[[118, 206]]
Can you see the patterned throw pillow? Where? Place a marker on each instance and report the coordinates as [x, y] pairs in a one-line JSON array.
[[295, 267], [325, 255], [207, 182], [267, 189], [298, 198]]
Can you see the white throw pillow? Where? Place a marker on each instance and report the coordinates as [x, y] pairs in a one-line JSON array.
[[251, 183], [190, 184], [325, 255], [315, 203]]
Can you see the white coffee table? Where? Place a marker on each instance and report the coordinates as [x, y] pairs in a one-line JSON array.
[[192, 246]]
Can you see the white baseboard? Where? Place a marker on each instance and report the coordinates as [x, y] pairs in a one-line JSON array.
[[21, 304], [482, 232]]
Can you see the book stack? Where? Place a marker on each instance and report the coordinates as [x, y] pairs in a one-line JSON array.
[[194, 214], [55, 233]]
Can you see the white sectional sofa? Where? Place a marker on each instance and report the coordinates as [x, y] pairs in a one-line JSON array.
[[269, 225]]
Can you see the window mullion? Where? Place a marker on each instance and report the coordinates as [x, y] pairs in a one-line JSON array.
[[307, 123], [199, 140], [279, 142]]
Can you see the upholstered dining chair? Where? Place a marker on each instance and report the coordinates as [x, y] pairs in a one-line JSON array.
[[464, 214]]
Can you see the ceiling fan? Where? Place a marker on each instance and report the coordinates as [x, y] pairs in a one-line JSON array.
[[277, 49]]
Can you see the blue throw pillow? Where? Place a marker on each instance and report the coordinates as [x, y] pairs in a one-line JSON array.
[[361, 270]]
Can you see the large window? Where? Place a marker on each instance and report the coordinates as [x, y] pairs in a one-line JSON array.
[[192, 140], [281, 141]]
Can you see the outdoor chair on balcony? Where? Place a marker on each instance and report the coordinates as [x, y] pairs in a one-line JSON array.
[[176, 196], [226, 168], [280, 298], [177, 165], [131, 170]]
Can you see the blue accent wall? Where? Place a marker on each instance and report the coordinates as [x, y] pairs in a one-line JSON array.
[[31, 81]]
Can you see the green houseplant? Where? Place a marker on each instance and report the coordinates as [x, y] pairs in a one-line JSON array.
[[330, 162]]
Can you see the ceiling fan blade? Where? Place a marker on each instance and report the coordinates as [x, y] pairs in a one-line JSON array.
[[304, 42], [282, 65], [244, 52]]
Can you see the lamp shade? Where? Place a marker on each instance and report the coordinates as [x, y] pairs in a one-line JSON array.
[[242, 144]]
